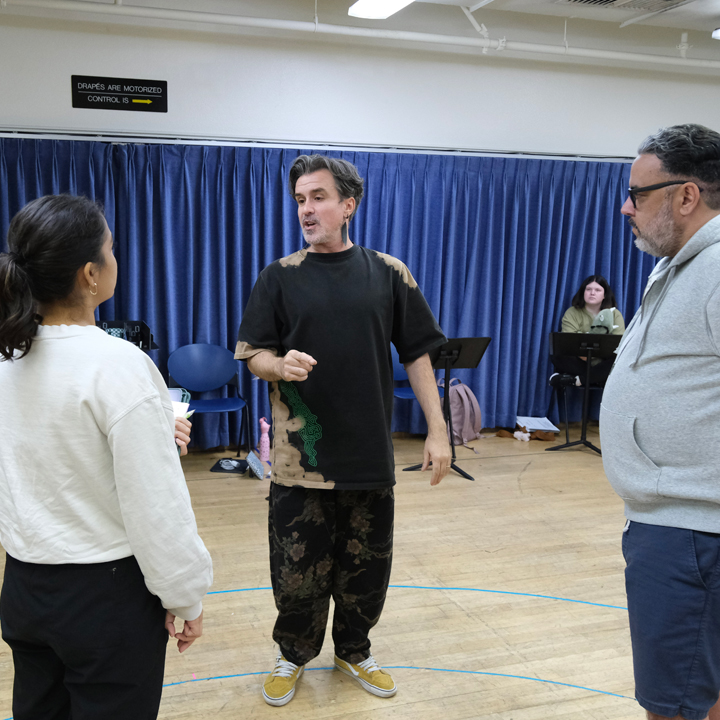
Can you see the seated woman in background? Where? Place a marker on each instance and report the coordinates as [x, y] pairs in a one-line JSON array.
[[95, 517], [593, 311]]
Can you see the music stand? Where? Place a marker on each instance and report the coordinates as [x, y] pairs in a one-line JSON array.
[[459, 353], [589, 345]]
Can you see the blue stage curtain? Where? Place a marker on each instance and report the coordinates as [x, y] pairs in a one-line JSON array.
[[499, 246], [32, 168]]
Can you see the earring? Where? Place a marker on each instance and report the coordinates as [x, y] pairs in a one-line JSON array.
[[94, 293]]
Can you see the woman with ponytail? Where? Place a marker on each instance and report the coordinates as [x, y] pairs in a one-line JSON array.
[[95, 517]]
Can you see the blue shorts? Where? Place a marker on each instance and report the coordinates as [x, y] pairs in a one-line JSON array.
[[673, 588]]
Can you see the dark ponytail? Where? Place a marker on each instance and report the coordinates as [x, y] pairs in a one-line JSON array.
[[17, 308], [49, 240]]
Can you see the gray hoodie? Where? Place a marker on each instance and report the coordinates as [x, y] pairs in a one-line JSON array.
[[660, 414]]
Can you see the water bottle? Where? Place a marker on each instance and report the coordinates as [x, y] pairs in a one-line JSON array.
[[264, 445]]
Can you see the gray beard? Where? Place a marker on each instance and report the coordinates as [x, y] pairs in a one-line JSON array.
[[316, 239], [661, 237], [645, 246]]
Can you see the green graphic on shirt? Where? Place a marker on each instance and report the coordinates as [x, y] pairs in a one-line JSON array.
[[311, 431]]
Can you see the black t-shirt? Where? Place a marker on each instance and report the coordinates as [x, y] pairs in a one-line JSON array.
[[344, 309]]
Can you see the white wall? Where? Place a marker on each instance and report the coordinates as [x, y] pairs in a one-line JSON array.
[[239, 87]]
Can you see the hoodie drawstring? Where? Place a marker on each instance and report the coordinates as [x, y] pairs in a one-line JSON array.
[[658, 302]]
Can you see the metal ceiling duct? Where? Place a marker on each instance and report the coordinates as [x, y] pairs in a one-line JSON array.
[[128, 11]]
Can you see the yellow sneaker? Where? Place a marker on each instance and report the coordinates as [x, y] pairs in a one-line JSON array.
[[369, 675], [279, 685]]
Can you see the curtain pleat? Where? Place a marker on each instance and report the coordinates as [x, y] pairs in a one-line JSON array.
[[498, 245]]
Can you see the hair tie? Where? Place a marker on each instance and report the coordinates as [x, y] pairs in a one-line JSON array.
[[17, 258]]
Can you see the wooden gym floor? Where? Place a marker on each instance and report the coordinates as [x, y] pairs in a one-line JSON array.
[[506, 599]]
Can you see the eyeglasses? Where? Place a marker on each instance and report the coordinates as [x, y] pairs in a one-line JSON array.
[[634, 192]]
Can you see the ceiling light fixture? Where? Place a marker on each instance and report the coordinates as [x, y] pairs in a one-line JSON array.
[[716, 33], [377, 9]]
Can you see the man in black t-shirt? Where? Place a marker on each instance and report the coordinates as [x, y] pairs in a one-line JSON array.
[[318, 327]]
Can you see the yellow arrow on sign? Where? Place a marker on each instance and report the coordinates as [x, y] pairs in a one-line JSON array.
[[147, 102]]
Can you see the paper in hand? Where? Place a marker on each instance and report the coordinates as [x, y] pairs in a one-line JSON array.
[[181, 409]]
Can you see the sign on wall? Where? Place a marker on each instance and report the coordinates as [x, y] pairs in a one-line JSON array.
[[105, 93]]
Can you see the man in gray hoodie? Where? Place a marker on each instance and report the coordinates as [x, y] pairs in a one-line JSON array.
[[660, 427]]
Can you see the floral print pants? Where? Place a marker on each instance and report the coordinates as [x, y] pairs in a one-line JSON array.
[[327, 543]]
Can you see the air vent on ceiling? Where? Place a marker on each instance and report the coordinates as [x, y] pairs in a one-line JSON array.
[[594, 3], [645, 5]]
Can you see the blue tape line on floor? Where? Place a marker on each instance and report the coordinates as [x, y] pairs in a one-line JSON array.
[[481, 590], [402, 667], [412, 667], [221, 592], [508, 592], [517, 677]]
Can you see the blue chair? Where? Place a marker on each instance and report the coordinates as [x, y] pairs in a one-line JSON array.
[[200, 368], [403, 392]]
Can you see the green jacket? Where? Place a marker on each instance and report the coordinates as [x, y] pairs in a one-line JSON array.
[[580, 320]]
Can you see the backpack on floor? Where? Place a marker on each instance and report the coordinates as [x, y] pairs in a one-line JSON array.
[[464, 411]]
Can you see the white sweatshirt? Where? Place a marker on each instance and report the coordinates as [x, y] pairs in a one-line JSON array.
[[89, 469]]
